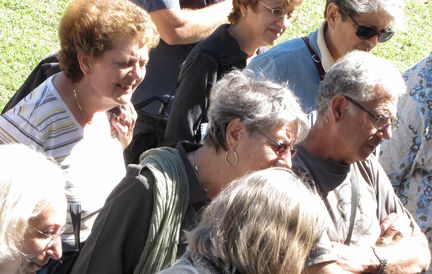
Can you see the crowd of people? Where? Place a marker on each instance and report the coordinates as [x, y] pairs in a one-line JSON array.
[[168, 139]]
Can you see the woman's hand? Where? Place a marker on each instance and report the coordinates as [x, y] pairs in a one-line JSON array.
[[124, 123]]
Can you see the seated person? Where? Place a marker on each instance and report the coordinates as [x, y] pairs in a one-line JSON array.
[[253, 24], [139, 230], [258, 224], [356, 110], [104, 49], [32, 209]]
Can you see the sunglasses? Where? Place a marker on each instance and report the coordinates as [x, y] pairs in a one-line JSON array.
[[280, 148], [380, 122], [277, 12], [366, 32]]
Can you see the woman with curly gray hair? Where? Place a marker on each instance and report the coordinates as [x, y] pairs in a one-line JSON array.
[[253, 125], [258, 224]]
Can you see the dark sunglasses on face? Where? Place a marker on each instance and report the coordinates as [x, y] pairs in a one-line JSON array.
[[280, 148], [366, 32], [380, 122]]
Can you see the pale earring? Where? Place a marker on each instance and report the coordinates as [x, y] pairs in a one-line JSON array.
[[227, 161]]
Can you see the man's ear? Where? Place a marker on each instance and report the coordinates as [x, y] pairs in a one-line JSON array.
[[233, 132], [85, 62], [338, 107], [333, 14]]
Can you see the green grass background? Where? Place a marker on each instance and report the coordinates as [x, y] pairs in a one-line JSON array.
[[28, 33]]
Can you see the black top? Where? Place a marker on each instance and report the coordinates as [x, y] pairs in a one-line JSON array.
[[120, 231], [208, 62]]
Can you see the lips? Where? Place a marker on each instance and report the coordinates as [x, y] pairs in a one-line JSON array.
[[276, 32]]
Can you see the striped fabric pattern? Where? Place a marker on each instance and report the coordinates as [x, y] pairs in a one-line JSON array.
[[43, 121]]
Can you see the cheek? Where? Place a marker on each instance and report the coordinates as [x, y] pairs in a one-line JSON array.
[[259, 159], [33, 247]]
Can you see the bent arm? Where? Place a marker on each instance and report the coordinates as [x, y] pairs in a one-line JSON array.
[[408, 255], [183, 26]]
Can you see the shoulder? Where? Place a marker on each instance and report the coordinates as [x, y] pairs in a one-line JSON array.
[[41, 115], [215, 44], [285, 50], [199, 62], [281, 60], [373, 173]]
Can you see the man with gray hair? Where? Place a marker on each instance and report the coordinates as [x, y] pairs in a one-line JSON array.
[[368, 229]]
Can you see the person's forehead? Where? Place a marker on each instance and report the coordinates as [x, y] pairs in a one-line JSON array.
[[384, 103], [379, 19]]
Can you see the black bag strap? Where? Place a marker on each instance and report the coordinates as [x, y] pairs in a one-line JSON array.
[[75, 212], [354, 204], [315, 58]]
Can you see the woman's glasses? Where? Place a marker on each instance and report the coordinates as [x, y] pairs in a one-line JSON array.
[[280, 148], [51, 238], [366, 32], [277, 12]]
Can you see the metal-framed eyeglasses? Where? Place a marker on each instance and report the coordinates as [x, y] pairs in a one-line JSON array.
[[366, 32], [380, 122], [51, 238], [277, 12], [280, 148]]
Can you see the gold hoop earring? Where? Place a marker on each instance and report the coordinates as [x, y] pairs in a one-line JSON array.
[[235, 158]]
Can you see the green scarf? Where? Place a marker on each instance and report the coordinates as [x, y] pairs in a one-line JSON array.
[[171, 199]]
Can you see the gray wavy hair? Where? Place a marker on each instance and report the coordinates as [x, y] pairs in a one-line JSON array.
[[260, 105], [357, 75], [393, 8], [260, 224]]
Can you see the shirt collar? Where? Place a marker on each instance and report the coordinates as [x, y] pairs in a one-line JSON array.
[[326, 58]]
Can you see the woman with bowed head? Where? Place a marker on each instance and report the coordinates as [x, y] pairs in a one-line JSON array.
[[82, 116], [258, 224], [32, 209], [253, 125]]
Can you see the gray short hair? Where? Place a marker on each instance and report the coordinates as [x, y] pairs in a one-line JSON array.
[[393, 8], [260, 224], [29, 183], [357, 75], [260, 104]]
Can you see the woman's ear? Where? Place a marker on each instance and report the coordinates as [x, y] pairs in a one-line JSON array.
[[243, 8], [333, 13], [233, 133], [85, 62]]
